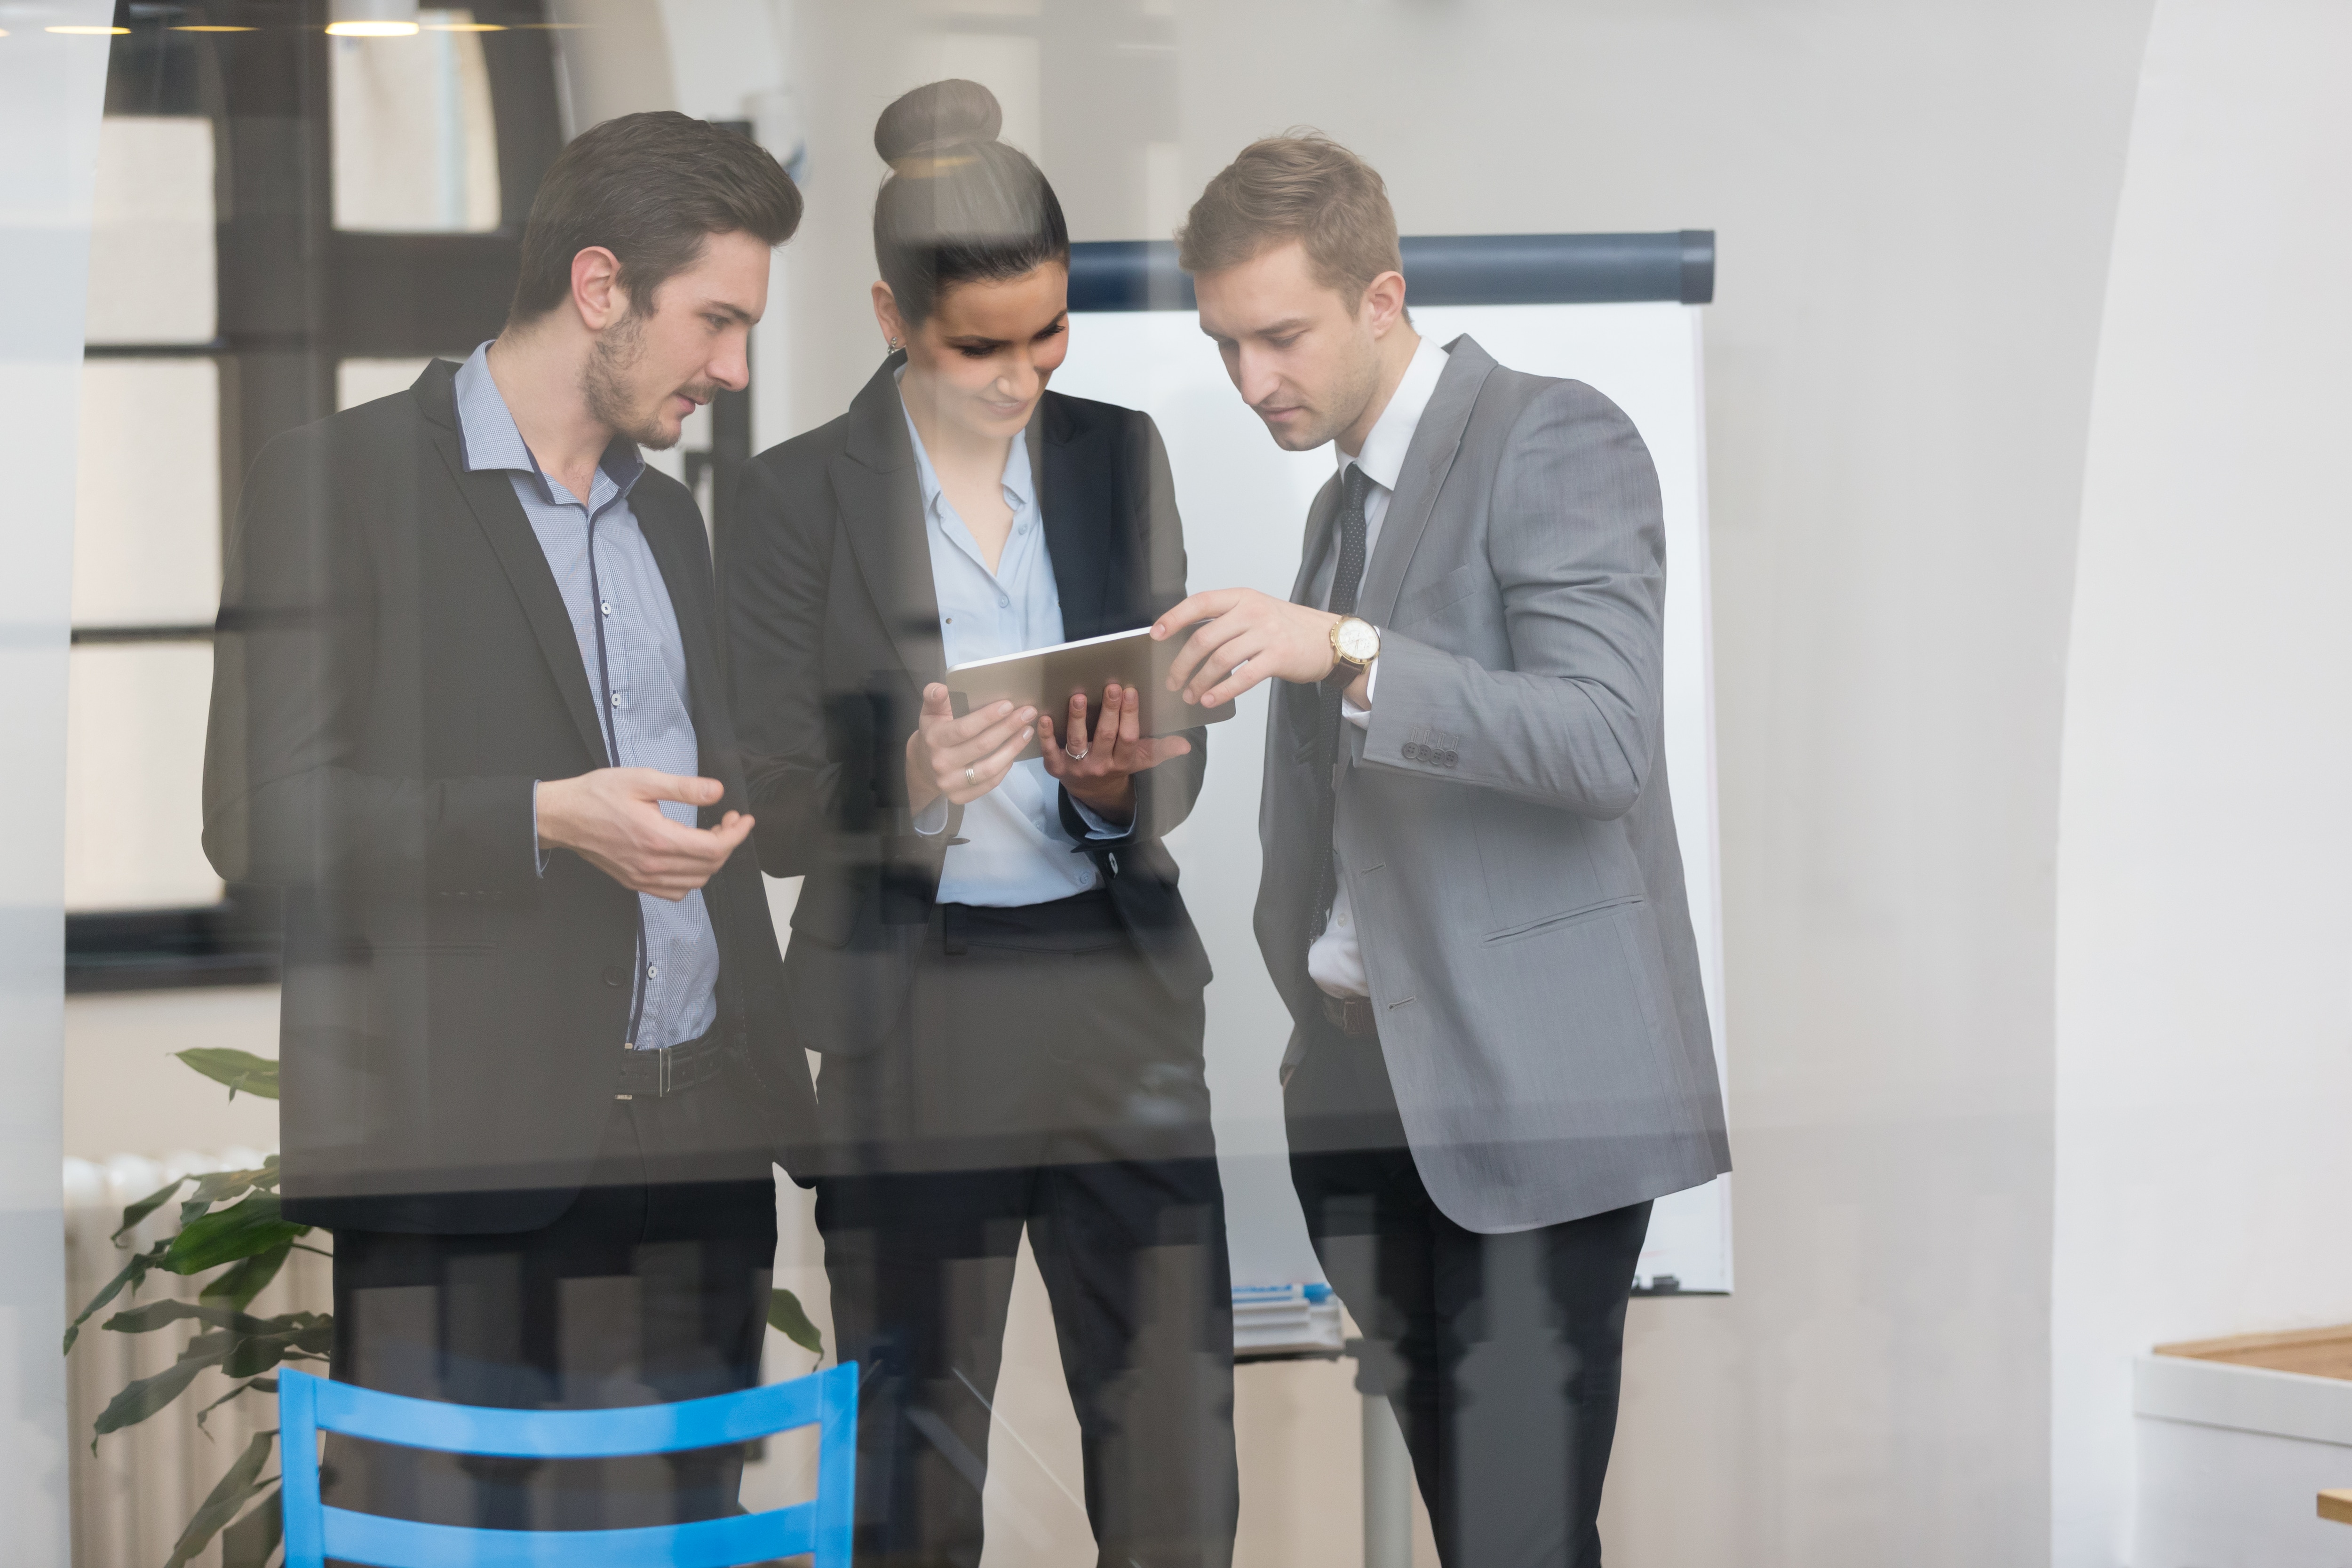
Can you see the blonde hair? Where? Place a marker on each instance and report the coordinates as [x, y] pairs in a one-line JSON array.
[[1303, 186]]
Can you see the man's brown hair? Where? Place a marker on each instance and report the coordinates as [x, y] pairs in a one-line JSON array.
[[1301, 186], [652, 189]]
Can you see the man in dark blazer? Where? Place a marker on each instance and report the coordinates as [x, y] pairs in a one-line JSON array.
[[467, 714], [1472, 901]]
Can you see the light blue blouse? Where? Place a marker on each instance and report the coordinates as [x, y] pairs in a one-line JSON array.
[[1015, 850]]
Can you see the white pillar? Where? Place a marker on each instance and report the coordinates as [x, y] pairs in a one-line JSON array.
[[52, 89]]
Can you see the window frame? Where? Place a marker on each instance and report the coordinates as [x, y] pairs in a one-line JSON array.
[[296, 296]]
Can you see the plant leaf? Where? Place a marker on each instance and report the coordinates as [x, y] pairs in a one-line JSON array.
[[256, 1353], [148, 1395], [145, 1206], [132, 1273], [163, 1314], [215, 1187], [785, 1315], [257, 1386], [238, 1070], [246, 1279], [236, 1490], [250, 1227], [249, 1542]]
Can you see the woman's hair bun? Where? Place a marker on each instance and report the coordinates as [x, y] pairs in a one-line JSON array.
[[936, 116]]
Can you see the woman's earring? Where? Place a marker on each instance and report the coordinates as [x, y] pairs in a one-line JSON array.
[[893, 342]]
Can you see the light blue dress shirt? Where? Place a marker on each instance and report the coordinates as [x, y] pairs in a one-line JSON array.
[[647, 701], [1014, 851]]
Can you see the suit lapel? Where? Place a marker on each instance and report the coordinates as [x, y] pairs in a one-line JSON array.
[[1427, 459], [490, 493], [882, 511], [1078, 519]]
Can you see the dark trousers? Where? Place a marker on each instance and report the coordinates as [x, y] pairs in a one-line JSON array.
[[652, 1286], [1501, 1355], [1043, 1080]]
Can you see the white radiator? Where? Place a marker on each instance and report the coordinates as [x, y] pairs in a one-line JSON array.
[[134, 1495]]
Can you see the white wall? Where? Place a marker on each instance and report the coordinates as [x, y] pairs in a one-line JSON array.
[[2205, 941], [52, 88]]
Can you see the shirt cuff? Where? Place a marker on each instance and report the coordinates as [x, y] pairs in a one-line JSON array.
[[1361, 717], [1096, 827], [538, 849], [932, 820]]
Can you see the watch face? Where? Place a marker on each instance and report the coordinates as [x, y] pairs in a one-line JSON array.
[[1358, 642]]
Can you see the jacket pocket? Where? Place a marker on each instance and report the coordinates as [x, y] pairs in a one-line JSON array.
[[1554, 922]]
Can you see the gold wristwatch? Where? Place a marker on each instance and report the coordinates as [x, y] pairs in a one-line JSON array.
[[1355, 643]]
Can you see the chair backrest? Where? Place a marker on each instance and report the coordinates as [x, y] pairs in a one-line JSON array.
[[308, 1405]]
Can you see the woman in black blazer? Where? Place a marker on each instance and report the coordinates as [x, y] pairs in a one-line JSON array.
[[989, 953]]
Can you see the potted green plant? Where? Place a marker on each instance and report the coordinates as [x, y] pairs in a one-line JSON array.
[[231, 1227]]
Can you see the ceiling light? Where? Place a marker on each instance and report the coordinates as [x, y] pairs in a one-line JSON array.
[[86, 32], [371, 18]]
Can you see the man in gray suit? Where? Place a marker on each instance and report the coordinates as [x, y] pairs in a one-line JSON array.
[[1472, 900]]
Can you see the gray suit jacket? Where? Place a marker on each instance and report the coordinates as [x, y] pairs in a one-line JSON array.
[[1503, 822]]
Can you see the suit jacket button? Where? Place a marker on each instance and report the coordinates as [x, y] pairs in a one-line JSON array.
[[1413, 751], [614, 976], [1451, 758]]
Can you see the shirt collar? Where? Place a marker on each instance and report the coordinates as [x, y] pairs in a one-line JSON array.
[[1383, 458], [489, 438], [1019, 486]]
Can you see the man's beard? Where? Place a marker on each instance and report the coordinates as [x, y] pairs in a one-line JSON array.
[[605, 387]]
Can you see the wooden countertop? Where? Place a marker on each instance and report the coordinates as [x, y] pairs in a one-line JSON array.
[[2314, 1352]]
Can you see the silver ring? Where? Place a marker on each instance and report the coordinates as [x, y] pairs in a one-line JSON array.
[[1078, 756], [968, 778], [1237, 668]]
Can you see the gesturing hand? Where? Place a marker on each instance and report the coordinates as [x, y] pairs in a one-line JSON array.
[[1249, 638], [1100, 769], [612, 818], [964, 758]]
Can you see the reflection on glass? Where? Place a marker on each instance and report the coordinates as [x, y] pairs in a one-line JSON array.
[[151, 241], [358, 380], [147, 494], [134, 763], [415, 139]]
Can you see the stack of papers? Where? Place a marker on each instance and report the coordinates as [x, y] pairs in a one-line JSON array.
[[1286, 1320]]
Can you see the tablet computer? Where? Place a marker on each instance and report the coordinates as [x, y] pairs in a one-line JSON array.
[[1046, 678]]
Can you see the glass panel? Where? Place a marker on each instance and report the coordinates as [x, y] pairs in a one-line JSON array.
[[415, 140], [358, 380], [134, 768], [151, 241], [147, 500]]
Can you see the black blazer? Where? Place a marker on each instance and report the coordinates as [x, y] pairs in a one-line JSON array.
[[393, 667], [833, 630]]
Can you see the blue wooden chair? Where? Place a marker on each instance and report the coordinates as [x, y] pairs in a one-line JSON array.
[[308, 1405]]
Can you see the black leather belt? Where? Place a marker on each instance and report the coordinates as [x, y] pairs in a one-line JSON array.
[[671, 1070], [1352, 1015]]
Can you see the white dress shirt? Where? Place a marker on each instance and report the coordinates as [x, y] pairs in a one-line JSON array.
[[1335, 960], [1013, 850]]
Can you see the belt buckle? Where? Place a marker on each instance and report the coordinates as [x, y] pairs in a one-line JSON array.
[[661, 1066]]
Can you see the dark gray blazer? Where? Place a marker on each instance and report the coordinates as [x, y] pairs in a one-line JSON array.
[[833, 632], [1503, 822]]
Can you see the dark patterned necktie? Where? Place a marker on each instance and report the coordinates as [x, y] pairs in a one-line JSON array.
[[1355, 484]]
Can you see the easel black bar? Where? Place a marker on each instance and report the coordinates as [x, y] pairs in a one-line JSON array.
[[1443, 269]]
